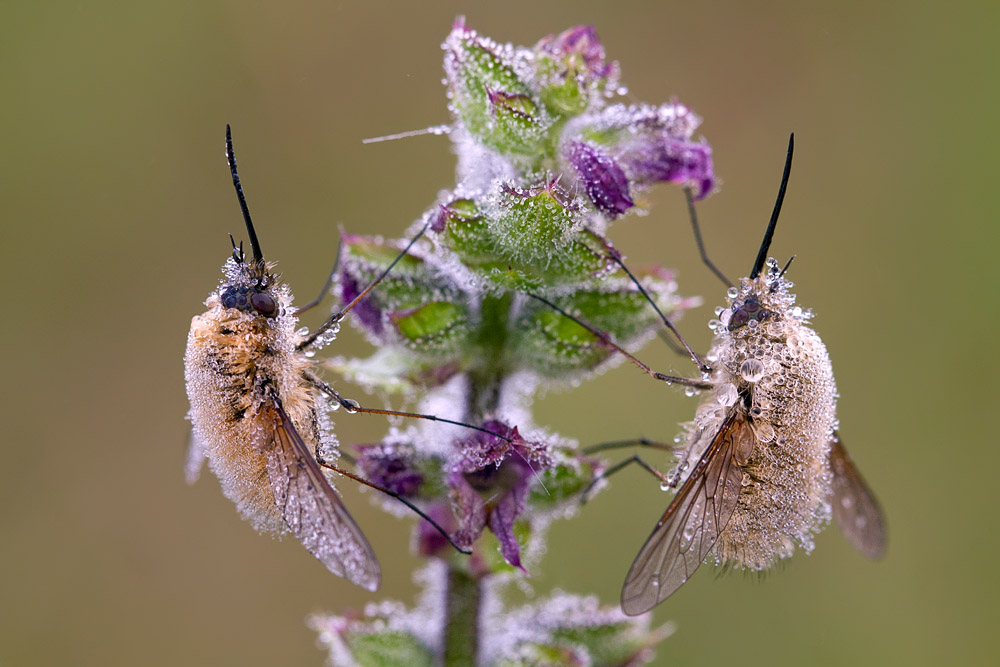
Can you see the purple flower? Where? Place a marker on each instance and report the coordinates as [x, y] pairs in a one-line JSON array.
[[601, 177], [651, 145], [665, 158], [391, 467], [490, 482], [581, 40]]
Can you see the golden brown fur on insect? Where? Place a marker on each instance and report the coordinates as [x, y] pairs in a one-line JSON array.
[[778, 373], [232, 356]]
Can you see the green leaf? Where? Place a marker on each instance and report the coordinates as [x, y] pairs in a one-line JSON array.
[[389, 648], [547, 655]]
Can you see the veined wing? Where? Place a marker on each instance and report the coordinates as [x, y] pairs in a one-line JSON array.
[[855, 508], [695, 518], [312, 509]]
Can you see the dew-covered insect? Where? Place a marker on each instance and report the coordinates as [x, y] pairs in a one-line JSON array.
[[258, 410], [762, 466]]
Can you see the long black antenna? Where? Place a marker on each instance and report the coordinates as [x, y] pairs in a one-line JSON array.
[[769, 234], [258, 256]]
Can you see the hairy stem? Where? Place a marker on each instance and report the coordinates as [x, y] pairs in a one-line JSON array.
[[461, 631]]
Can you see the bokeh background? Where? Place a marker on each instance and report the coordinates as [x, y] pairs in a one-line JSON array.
[[115, 203]]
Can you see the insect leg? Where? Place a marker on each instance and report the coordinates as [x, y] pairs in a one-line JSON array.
[[698, 240], [674, 347], [326, 286], [353, 406], [606, 340], [702, 366], [339, 315], [621, 444], [396, 496], [635, 458]]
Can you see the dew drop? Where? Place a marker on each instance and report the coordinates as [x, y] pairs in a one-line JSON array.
[[752, 370], [665, 486], [765, 432], [727, 394], [732, 293]]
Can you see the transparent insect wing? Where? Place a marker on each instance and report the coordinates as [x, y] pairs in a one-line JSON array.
[[693, 521], [311, 508], [855, 508], [195, 458]]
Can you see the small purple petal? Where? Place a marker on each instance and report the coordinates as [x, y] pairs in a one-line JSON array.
[[469, 508], [440, 219], [365, 310], [581, 39], [507, 509], [430, 542], [665, 158], [603, 180], [482, 450]]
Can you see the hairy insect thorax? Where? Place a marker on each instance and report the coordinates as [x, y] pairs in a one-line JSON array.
[[770, 364], [235, 355]]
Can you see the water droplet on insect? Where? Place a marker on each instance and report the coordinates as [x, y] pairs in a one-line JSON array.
[[732, 292], [765, 432], [665, 486], [727, 394], [752, 370]]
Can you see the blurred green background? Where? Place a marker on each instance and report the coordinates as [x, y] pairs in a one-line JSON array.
[[115, 203]]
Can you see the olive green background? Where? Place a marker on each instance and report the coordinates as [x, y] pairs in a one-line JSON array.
[[115, 203]]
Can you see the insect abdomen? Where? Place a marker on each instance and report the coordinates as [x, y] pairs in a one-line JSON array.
[[224, 377], [792, 409]]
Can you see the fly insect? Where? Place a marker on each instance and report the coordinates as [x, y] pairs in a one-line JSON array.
[[258, 410], [766, 465]]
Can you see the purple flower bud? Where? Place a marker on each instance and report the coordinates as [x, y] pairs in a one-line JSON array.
[[653, 145], [664, 158], [582, 40], [602, 179], [391, 467]]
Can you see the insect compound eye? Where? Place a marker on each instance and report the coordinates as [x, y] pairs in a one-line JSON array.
[[747, 311], [235, 297], [264, 304]]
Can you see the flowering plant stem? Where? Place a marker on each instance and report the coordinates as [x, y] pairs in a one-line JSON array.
[[461, 629], [548, 157]]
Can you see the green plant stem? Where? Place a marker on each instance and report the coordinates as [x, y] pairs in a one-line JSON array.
[[461, 631], [486, 375]]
